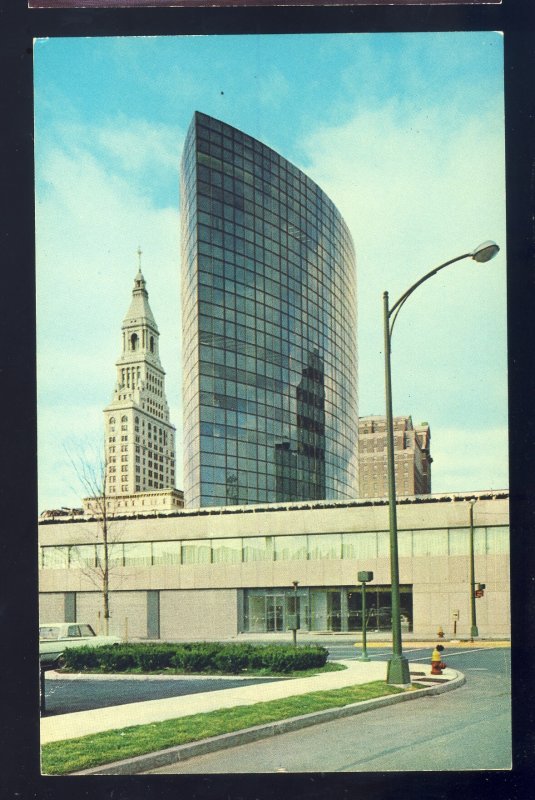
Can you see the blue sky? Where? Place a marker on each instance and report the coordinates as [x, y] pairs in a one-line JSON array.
[[403, 131]]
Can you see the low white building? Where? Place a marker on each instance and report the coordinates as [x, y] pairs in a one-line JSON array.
[[218, 572]]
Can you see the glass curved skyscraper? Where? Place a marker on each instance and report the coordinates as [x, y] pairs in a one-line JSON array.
[[269, 327]]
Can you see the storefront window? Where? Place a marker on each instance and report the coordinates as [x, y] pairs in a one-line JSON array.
[[337, 608], [256, 614]]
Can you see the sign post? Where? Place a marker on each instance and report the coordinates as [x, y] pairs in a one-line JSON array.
[[364, 578]]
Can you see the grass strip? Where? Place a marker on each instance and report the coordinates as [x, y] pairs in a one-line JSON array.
[[72, 755]]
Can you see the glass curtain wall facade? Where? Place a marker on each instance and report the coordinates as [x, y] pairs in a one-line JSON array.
[[336, 608], [269, 327]]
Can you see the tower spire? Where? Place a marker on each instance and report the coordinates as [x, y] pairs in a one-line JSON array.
[[140, 439], [139, 254]]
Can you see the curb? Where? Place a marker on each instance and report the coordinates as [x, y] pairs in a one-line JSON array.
[[172, 755], [128, 676]]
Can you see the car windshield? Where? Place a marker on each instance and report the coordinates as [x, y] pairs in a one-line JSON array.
[[49, 632], [86, 630], [80, 630]]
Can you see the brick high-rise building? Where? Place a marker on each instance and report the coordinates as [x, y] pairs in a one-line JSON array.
[[412, 457]]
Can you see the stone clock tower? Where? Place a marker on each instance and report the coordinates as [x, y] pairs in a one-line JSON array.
[[139, 438]]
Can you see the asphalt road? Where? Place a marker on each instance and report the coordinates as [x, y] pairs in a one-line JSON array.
[[466, 729], [65, 696]]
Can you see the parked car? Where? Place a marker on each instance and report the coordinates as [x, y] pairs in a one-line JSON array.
[[55, 637]]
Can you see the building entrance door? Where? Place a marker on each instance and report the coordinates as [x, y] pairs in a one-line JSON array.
[[274, 613], [334, 619]]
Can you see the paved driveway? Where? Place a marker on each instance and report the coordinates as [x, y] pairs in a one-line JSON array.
[[468, 729]]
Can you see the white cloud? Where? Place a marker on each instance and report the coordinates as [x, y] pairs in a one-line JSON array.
[[90, 219], [138, 144], [417, 188], [469, 460], [274, 89]]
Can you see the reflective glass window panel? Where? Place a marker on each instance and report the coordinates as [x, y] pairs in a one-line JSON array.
[[196, 551], [359, 545], [404, 544], [480, 541], [55, 557], [255, 618], [459, 541], [226, 551], [165, 553], [258, 548], [137, 554], [82, 555], [289, 548], [430, 543], [497, 540], [327, 545], [115, 555], [383, 544]]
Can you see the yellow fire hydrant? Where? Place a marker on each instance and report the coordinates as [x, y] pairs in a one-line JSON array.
[[440, 632], [437, 665]]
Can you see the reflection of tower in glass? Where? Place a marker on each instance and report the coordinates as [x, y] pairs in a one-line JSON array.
[[300, 469], [269, 327]]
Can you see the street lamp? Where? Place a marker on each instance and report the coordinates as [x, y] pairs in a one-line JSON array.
[[294, 617], [364, 578], [398, 667], [473, 624]]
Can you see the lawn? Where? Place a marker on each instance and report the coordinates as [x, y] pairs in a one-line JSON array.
[[72, 755]]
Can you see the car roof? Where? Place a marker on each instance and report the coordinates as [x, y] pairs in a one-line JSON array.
[[60, 624]]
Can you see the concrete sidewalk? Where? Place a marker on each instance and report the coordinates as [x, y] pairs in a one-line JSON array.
[[83, 723]]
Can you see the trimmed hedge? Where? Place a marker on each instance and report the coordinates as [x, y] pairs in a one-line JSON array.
[[204, 657]]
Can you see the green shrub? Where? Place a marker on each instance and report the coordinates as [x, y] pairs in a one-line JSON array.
[[80, 658], [154, 658], [232, 658], [285, 658], [210, 657]]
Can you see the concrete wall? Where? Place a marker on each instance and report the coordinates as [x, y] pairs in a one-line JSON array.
[[51, 606], [200, 600], [198, 614]]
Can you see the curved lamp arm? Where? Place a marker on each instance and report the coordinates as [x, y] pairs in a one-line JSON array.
[[483, 253], [398, 671]]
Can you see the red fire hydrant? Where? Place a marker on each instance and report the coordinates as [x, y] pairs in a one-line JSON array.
[[437, 665]]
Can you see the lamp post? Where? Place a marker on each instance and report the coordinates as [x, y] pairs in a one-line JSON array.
[[364, 577], [398, 667], [473, 624], [295, 622]]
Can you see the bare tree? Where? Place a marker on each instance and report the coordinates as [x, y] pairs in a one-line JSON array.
[[92, 473]]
